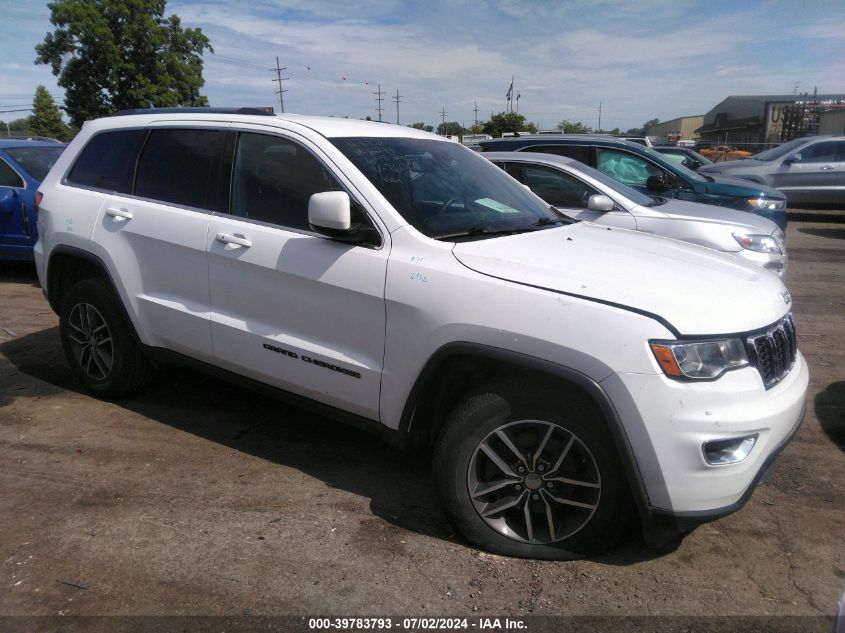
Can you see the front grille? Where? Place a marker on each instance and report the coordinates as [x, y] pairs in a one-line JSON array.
[[773, 352]]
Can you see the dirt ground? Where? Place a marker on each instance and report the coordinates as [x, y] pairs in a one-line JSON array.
[[198, 497]]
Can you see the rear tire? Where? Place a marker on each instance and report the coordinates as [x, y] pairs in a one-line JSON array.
[[532, 473], [98, 342]]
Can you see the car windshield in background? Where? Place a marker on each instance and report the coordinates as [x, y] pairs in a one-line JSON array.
[[689, 173], [37, 161], [629, 192], [445, 190], [781, 150]]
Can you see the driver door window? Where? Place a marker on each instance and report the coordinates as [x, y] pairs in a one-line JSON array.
[[274, 178], [824, 152], [626, 168], [555, 187]]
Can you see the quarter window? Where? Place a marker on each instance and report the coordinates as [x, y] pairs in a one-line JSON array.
[[274, 178], [108, 161], [180, 167], [9, 177], [624, 167]]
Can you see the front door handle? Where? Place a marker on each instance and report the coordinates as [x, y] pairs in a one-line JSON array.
[[119, 214], [828, 168], [238, 240]]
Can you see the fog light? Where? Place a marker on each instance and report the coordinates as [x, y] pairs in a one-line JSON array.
[[729, 451]]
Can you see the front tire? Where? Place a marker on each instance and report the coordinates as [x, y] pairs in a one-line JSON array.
[[531, 473], [98, 343]]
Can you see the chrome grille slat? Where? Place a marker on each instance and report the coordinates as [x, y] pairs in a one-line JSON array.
[[773, 352]]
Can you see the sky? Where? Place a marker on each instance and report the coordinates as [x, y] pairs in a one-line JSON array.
[[639, 59]]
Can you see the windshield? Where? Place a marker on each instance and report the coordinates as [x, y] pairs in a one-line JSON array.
[[36, 161], [781, 150], [445, 190], [629, 192], [678, 169]]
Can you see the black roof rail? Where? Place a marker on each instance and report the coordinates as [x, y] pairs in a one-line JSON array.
[[250, 111]]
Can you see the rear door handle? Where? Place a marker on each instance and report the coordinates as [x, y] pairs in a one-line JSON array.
[[828, 168], [119, 214], [239, 240]]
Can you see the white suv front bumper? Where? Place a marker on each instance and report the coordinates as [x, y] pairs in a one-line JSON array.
[[671, 421]]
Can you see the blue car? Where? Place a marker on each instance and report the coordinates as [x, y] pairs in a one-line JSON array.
[[650, 173], [23, 165]]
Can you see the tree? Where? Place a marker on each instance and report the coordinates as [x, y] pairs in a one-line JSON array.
[[113, 55], [507, 122], [569, 127], [46, 120], [422, 126], [614, 131], [452, 128]]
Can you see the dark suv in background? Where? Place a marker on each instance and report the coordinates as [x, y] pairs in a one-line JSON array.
[[649, 172]]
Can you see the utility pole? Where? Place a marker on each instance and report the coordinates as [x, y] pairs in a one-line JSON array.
[[278, 70], [443, 114], [397, 99], [599, 116], [379, 94], [475, 109]]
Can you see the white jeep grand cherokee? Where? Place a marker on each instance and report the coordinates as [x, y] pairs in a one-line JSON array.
[[569, 376]]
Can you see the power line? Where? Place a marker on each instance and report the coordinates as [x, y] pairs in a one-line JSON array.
[[281, 92], [379, 98], [397, 99]]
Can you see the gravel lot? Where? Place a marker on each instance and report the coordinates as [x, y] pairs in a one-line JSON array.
[[197, 497]]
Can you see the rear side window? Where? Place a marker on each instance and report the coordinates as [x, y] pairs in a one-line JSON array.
[[578, 152], [108, 161], [180, 167], [553, 186]]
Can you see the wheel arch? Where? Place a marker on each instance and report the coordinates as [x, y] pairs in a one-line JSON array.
[[68, 265], [444, 379]]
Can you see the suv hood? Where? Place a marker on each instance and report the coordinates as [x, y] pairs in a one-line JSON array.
[[697, 290], [740, 220], [731, 164], [725, 185]]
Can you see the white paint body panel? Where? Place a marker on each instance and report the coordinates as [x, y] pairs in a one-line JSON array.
[[581, 296]]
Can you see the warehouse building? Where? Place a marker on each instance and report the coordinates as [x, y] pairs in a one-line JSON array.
[[680, 129]]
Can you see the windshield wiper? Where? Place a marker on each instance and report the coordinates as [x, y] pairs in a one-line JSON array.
[[550, 222], [476, 231]]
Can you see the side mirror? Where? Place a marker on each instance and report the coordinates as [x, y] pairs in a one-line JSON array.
[[792, 158], [656, 183], [7, 200], [330, 214], [598, 202]]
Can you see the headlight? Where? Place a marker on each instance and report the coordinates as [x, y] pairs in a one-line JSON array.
[[758, 243], [766, 203], [699, 360]]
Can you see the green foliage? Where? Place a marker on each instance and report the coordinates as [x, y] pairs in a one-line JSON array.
[[17, 125], [569, 127], [614, 131], [451, 128], [113, 55], [507, 122], [639, 131], [422, 126], [46, 120]]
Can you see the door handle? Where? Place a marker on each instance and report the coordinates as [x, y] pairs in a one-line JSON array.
[[238, 240], [119, 214], [828, 168]]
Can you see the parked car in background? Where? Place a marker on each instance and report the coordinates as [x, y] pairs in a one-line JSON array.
[[649, 172], [585, 193], [724, 152], [23, 165], [807, 170], [685, 156]]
